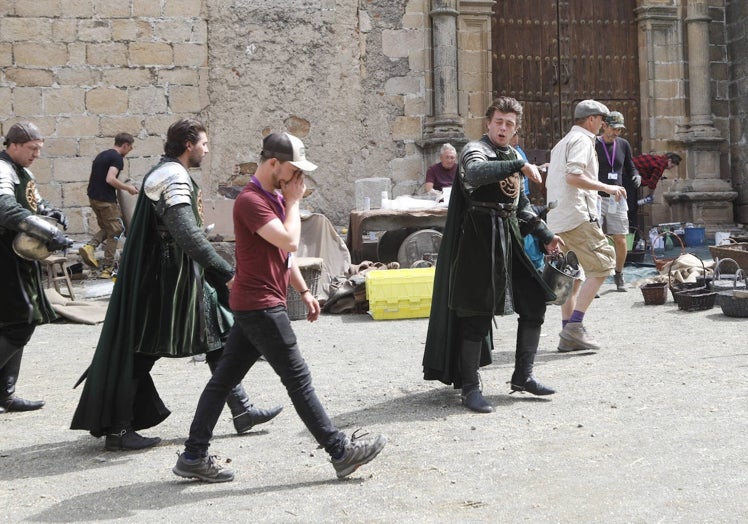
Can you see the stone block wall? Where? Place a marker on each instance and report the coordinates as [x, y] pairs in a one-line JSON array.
[[349, 82], [350, 78], [84, 70]]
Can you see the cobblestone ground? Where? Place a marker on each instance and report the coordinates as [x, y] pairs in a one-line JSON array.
[[652, 428]]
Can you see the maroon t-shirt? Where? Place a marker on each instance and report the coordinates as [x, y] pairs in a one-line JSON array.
[[262, 273], [440, 177]]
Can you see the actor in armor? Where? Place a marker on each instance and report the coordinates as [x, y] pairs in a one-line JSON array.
[[170, 299], [24, 304], [483, 269]]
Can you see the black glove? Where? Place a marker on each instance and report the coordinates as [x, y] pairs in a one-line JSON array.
[[59, 241], [527, 222], [59, 216]]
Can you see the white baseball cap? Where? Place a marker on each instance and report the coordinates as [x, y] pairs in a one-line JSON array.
[[286, 148]]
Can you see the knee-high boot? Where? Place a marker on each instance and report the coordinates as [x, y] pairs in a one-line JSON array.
[[523, 379], [11, 356], [245, 414], [472, 397]]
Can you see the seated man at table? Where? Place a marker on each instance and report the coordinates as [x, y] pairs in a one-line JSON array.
[[441, 174]]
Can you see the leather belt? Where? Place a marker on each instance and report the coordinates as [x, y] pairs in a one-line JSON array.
[[494, 208]]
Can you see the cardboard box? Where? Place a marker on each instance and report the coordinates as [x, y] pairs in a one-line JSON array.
[[400, 293]]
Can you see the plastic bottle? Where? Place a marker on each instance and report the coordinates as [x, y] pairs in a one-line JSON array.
[[668, 242], [646, 200], [612, 205]]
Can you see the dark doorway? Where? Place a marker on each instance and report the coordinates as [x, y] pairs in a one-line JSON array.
[[549, 55]]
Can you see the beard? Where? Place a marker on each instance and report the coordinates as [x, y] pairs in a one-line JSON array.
[[276, 178], [196, 157]]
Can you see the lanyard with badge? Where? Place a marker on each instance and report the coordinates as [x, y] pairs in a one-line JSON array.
[[611, 157]]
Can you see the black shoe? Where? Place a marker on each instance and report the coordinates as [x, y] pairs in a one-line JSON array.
[[531, 385], [128, 439], [19, 404], [254, 416], [474, 401]]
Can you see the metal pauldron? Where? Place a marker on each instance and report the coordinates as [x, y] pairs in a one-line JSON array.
[[170, 182], [8, 179]]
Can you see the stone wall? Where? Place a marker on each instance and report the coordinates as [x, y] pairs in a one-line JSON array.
[[348, 77], [84, 70], [737, 38], [335, 73], [687, 106]]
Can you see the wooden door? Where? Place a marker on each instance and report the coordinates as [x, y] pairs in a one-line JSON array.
[[550, 54]]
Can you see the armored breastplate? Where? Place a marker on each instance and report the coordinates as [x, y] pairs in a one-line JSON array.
[[507, 190]]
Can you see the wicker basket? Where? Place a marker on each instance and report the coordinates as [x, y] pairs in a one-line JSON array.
[[655, 294], [737, 251], [728, 281], [733, 306], [686, 286], [660, 263], [695, 299], [311, 268]]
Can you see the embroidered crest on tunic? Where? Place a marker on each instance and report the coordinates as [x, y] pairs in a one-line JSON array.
[[200, 206], [31, 195], [511, 185]]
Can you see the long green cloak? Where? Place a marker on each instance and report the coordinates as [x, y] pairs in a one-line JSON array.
[[159, 306]]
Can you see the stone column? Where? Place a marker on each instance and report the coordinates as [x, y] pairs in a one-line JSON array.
[[445, 123], [703, 197], [697, 21], [474, 57]]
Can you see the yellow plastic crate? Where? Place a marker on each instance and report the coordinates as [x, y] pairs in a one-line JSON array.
[[399, 293]]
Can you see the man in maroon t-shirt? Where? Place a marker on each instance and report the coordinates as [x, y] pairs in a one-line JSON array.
[[267, 227], [442, 174]]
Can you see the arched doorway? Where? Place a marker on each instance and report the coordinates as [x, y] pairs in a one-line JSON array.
[[549, 55]]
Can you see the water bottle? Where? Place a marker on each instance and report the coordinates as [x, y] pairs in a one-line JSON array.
[[612, 205], [646, 200]]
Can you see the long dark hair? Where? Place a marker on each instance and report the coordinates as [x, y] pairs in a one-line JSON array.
[[180, 132]]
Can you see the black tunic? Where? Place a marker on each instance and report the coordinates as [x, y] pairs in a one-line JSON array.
[[480, 234]]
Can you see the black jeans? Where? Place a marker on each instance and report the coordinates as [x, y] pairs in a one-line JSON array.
[[268, 333]]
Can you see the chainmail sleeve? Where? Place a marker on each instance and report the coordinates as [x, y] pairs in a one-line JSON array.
[[11, 213], [181, 223], [479, 166]]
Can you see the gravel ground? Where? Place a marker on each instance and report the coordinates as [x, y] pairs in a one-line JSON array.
[[652, 428]]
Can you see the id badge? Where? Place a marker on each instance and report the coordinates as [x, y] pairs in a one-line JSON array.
[[612, 176]]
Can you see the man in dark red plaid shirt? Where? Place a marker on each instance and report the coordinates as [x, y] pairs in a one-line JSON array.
[[651, 167]]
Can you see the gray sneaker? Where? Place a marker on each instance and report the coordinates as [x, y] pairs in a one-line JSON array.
[[357, 452], [575, 338], [620, 283], [203, 468]]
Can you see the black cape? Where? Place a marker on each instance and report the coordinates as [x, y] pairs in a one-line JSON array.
[[455, 290]]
